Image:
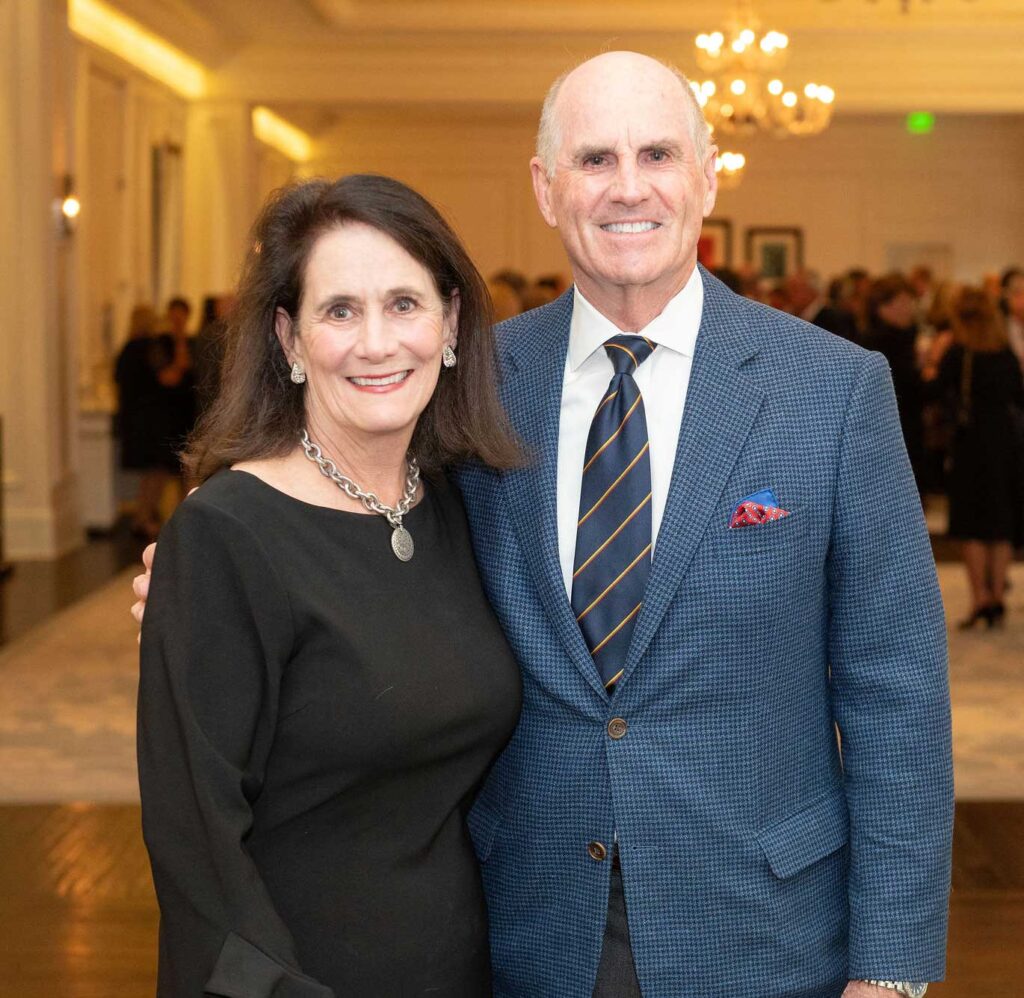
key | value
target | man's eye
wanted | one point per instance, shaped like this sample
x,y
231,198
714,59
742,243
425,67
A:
x,y
596,160
658,155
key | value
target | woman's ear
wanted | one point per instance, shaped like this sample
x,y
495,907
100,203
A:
x,y
451,319
284,329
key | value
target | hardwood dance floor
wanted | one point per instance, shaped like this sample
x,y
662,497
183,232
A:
x,y
78,919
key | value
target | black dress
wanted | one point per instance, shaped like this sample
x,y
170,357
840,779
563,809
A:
x,y
153,420
315,717
898,347
986,479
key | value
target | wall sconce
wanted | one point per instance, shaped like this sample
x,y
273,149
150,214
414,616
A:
x,y
68,207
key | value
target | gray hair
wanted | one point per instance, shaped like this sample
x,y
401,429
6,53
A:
x,y
549,136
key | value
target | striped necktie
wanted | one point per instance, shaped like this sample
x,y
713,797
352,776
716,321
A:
x,y
613,535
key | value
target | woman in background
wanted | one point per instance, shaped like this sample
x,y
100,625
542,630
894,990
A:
x,y
980,375
141,418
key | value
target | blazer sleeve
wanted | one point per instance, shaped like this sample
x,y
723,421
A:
x,y
888,660
216,634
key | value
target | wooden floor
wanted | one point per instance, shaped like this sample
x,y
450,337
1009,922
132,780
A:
x,y
35,590
78,919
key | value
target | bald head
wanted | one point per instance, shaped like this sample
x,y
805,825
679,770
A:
x,y
604,78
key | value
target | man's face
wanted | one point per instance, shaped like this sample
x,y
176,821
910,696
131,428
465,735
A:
x,y
628,194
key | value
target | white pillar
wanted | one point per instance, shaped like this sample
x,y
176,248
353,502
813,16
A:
x,y
220,195
37,358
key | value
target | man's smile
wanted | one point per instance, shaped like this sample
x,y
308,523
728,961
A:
x,y
630,227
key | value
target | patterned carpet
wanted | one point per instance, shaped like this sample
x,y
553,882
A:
x,y
67,727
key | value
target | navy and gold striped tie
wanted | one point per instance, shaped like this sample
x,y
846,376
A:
x,y
613,535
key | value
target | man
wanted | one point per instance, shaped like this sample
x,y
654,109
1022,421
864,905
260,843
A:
x,y
672,817
755,860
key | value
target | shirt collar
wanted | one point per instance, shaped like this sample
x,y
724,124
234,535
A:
x,y
674,329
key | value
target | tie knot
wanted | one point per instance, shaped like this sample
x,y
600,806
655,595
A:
x,y
628,352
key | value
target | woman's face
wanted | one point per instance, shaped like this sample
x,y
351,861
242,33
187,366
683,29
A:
x,y
370,332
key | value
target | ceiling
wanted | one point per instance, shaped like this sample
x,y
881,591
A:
x,y
317,57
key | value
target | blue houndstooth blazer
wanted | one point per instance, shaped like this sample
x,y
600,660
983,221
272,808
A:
x,y
759,859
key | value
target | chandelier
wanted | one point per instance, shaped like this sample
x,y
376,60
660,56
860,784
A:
x,y
729,167
744,93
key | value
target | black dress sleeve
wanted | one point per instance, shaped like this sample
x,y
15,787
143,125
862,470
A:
x,y
216,634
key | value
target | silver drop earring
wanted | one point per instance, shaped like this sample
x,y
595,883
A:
x,y
298,373
448,357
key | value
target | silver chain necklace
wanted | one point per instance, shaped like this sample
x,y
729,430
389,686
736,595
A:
x,y
401,539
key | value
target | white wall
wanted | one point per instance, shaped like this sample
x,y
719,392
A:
x,y
861,186
474,167
866,183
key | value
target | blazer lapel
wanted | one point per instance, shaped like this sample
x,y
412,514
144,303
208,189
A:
x,y
533,393
721,406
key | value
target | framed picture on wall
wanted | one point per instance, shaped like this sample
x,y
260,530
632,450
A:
x,y
714,248
775,251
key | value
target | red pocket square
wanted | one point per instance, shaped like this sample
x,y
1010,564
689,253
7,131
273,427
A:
x,y
750,514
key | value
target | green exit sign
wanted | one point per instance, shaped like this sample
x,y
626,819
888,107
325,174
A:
x,y
920,122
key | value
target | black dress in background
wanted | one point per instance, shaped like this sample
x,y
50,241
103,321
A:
x,y
153,420
315,718
899,348
986,481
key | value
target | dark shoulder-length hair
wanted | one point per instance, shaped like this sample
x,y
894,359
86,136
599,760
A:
x,y
977,322
259,412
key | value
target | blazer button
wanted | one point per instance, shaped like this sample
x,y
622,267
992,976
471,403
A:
x,y
597,852
617,728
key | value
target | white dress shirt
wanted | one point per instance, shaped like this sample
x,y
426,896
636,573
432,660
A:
x,y
662,379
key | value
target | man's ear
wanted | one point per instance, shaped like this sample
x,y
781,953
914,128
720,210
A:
x,y
542,190
451,319
284,329
711,178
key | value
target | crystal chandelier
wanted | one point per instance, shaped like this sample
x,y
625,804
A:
x,y
744,93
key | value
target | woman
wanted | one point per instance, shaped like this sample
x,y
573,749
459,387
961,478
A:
x,y
982,378
154,389
323,682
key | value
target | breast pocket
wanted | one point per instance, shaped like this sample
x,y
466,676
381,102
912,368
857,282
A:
x,y
768,536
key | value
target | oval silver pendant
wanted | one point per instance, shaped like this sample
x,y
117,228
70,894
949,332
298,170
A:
x,y
401,544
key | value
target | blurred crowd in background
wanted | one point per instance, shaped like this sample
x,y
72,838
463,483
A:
x,y
956,352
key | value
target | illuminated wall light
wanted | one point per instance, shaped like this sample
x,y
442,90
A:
x,y
789,98
826,95
811,90
920,122
281,135
747,36
775,87
738,87
128,40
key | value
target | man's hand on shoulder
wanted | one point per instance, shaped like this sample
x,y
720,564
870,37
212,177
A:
x,y
861,989
140,584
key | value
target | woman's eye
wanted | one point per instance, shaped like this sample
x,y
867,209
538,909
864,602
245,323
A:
x,y
404,305
340,312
